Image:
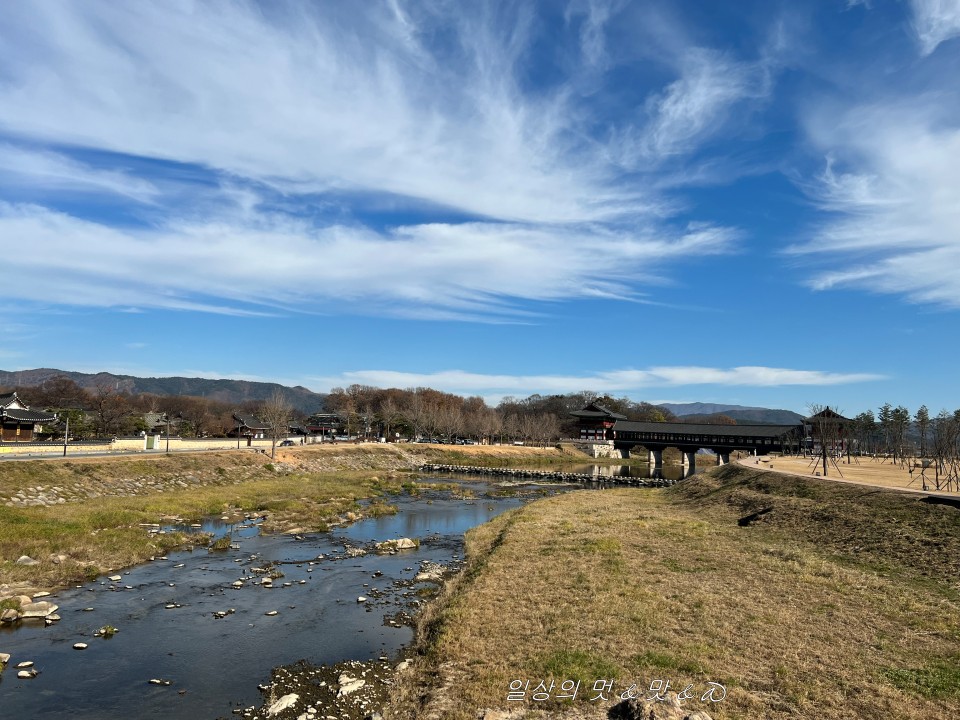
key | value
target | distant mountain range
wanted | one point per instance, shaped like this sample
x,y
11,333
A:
x,y
743,414
233,392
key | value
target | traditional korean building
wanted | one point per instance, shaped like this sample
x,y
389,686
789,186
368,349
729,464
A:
x,y
19,423
596,422
324,424
249,427
828,430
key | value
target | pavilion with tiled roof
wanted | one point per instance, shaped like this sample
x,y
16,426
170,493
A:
x,y
596,421
18,422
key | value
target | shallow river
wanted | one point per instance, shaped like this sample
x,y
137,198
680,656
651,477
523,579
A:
x,y
215,664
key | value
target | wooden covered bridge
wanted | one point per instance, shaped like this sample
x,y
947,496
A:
x,y
598,424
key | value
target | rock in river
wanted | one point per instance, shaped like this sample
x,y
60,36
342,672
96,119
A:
x,y
349,684
287,701
38,609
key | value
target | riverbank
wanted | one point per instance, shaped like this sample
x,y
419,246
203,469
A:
x,y
71,520
800,597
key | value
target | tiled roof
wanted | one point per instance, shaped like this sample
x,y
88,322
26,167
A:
x,y
33,416
250,422
598,411
9,399
705,429
827,415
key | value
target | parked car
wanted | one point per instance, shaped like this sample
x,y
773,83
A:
x,y
286,443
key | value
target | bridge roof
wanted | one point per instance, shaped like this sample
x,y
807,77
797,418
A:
x,y
705,429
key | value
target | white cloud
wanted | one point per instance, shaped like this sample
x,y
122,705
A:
x,y
695,106
309,100
895,204
57,172
596,15
268,262
428,106
613,381
935,22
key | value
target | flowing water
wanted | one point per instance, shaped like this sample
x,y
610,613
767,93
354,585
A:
x,y
213,661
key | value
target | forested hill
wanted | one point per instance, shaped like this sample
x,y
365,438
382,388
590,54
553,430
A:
x,y
743,414
234,392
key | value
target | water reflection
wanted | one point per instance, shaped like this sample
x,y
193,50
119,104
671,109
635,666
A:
x,y
670,472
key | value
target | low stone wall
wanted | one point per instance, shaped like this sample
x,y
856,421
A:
x,y
31,449
134,444
178,444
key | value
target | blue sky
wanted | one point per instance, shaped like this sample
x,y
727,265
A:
x,y
750,202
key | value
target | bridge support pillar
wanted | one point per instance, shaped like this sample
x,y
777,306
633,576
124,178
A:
x,y
723,458
655,458
689,460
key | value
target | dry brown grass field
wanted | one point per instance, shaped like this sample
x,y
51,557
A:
x,y
837,601
866,470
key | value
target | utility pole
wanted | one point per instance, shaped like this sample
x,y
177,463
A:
x,y
66,434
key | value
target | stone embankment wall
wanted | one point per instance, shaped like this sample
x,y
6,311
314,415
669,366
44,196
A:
x,y
91,487
606,450
601,450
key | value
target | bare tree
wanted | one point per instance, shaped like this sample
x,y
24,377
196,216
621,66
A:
x,y
828,428
111,410
275,414
490,424
450,420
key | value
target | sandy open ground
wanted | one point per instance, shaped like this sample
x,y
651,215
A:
x,y
867,471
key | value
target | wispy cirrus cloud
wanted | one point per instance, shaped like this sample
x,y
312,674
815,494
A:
x,y
56,172
269,262
891,187
310,99
935,22
695,107
410,104
612,381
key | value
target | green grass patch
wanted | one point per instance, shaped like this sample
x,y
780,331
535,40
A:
x,y
578,665
938,680
221,543
380,509
658,660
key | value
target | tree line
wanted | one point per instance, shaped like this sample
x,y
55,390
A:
x,y
894,432
424,412
104,411
364,411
